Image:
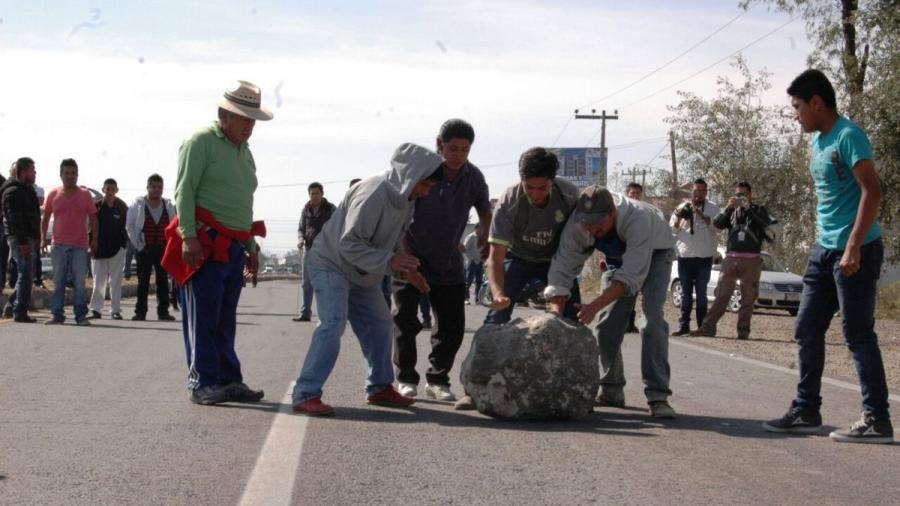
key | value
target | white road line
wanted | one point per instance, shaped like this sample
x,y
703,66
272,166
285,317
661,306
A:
x,y
766,365
272,481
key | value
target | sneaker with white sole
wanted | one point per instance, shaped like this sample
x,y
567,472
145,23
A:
x,y
797,420
866,430
439,392
407,389
465,403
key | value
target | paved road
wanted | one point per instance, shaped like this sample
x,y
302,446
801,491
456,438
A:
x,y
100,415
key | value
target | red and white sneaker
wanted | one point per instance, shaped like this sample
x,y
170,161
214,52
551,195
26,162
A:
x,y
313,407
390,398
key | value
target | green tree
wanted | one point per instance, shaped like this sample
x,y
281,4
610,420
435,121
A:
x,y
735,137
857,43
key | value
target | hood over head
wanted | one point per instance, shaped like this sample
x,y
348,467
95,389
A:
x,y
410,164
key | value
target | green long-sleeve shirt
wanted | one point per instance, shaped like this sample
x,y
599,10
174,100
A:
x,y
216,175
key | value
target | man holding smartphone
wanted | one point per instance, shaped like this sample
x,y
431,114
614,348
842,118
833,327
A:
x,y
746,223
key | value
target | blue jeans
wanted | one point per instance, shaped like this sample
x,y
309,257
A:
x,y
22,296
306,289
364,307
825,290
519,274
693,274
68,259
654,336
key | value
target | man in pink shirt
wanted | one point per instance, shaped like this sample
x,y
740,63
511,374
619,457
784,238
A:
x,y
72,209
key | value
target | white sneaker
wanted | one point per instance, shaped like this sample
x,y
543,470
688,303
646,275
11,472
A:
x,y
439,392
408,389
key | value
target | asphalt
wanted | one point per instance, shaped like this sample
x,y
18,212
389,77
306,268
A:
x,y
101,415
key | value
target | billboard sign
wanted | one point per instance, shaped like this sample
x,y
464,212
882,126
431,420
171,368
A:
x,y
581,166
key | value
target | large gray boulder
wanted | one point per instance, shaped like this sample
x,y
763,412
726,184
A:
x,y
540,367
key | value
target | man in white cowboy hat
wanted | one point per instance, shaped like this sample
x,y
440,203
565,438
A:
x,y
214,199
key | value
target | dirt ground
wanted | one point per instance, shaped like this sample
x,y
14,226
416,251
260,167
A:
x,y
772,340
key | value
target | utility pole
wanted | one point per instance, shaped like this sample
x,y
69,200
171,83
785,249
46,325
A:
x,y
602,117
674,167
634,172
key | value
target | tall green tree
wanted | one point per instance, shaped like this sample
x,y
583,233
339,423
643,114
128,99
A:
x,y
735,137
857,43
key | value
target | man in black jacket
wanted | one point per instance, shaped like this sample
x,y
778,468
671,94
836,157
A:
x,y
746,223
315,213
22,231
109,259
4,248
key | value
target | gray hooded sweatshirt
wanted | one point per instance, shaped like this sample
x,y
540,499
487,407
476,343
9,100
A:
x,y
365,230
639,225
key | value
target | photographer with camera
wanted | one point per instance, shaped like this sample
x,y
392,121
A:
x,y
695,242
746,223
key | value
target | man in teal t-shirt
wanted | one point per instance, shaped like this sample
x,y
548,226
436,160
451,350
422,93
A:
x,y
843,267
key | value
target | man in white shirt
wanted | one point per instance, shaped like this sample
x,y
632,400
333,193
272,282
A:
x,y
695,242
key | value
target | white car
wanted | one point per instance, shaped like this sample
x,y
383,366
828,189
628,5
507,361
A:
x,y
778,287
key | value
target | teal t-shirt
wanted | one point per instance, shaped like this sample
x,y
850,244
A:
x,y
834,156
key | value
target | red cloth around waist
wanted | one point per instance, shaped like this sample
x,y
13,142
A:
x,y
213,249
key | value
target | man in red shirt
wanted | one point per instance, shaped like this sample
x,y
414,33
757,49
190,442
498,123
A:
x,y
72,209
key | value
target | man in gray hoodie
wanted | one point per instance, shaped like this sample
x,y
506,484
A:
x,y
639,250
356,248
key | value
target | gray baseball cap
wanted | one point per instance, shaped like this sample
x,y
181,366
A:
x,y
594,204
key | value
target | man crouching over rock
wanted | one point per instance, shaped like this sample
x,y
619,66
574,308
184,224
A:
x,y
639,249
357,247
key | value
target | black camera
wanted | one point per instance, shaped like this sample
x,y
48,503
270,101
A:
x,y
686,212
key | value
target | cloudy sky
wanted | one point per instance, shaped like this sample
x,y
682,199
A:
x,y
118,85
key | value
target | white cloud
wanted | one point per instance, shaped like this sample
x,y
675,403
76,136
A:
x,y
353,90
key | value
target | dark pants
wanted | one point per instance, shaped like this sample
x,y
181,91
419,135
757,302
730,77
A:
x,y
148,261
20,298
474,274
4,261
518,274
693,274
425,309
825,290
209,320
38,269
129,258
447,301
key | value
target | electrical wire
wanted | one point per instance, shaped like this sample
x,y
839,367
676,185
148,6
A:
x,y
673,60
704,69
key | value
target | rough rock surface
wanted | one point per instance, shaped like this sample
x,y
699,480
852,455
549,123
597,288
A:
x,y
540,367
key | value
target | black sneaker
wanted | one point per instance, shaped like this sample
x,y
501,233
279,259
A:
x,y
866,430
166,318
300,319
24,319
681,332
240,392
7,311
138,317
209,395
56,320
797,420
95,315
117,316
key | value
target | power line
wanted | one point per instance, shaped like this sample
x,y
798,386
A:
x,y
666,144
673,60
704,69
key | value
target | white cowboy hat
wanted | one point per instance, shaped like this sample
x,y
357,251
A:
x,y
245,99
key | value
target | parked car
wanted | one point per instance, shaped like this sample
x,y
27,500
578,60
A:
x,y
778,287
